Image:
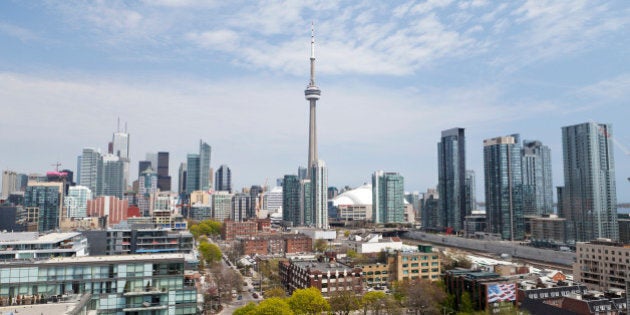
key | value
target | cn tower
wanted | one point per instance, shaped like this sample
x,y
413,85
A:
x,y
312,94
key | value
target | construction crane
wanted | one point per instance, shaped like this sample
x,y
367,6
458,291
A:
x,y
56,165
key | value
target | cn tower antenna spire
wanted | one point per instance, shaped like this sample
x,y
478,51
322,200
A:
x,y
312,94
312,82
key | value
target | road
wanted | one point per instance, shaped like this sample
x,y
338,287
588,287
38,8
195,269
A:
x,y
247,297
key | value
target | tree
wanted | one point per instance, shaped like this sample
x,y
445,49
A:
x,y
273,306
466,305
351,253
226,279
373,301
275,292
308,301
245,310
422,296
210,252
321,245
344,302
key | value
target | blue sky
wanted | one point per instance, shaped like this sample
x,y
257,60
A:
x,y
392,74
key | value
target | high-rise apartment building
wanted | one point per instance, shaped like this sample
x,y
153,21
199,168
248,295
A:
x,y
91,171
452,179
221,205
307,216
388,191
76,201
181,188
120,148
291,200
147,187
319,185
240,205
589,182
223,179
302,172
470,192
429,208
46,199
9,183
164,179
113,179
537,185
205,177
192,173
504,187
255,192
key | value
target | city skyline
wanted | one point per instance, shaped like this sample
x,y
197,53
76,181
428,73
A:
x,y
391,86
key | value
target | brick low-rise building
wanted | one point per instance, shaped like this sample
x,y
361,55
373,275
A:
x,y
602,264
230,229
275,244
327,277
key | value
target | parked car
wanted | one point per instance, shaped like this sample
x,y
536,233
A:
x,y
255,295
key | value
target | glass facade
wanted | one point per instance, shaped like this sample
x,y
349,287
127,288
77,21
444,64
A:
x,y
589,193
291,199
117,286
48,200
192,173
204,165
452,179
537,185
388,192
504,187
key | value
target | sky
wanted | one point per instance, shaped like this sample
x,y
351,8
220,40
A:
x,y
393,75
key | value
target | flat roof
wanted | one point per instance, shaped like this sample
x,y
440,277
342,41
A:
x,y
322,266
92,259
14,238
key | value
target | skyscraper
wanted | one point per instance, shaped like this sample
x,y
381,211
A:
x,y
240,205
504,187
164,180
76,201
255,192
9,183
204,166
452,179
47,199
91,171
319,185
388,191
223,179
537,185
307,216
291,200
589,182
471,192
192,173
113,176
182,178
120,148
302,172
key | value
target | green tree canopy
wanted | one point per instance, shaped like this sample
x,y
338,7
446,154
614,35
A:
x,y
372,301
272,306
308,301
210,252
321,245
245,310
275,292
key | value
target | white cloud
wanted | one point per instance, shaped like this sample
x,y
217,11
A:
x,y
23,34
223,40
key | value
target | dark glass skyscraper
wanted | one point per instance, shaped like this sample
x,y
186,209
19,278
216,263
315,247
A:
x,y
48,199
537,185
291,200
589,192
204,165
470,192
452,179
164,180
223,179
192,173
504,187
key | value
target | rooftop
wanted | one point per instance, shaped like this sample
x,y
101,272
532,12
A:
x,y
92,259
34,237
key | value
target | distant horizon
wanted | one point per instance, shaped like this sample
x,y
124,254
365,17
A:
x,y
393,76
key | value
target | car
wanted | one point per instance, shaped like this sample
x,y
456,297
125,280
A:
x,y
255,295
240,297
